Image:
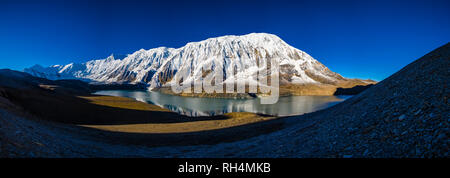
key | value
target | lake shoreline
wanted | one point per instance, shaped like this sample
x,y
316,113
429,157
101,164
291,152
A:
x,y
205,106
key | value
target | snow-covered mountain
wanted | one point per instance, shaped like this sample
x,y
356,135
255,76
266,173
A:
x,y
236,56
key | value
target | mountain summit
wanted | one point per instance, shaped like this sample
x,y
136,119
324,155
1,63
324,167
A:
x,y
157,67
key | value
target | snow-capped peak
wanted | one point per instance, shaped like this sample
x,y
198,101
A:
x,y
158,66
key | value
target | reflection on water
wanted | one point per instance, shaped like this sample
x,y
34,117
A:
x,y
194,106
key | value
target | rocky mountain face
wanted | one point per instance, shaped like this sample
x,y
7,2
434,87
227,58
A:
x,y
237,58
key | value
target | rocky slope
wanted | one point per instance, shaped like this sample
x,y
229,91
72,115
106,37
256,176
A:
x,y
237,58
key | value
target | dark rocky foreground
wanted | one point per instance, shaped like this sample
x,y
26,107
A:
x,y
405,115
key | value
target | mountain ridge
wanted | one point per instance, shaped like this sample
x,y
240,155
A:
x,y
239,58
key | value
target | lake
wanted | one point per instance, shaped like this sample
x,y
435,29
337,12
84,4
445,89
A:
x,y
196,106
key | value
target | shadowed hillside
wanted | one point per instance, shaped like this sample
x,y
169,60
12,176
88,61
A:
x,y
33,109
352,91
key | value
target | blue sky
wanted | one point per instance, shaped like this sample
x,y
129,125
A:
x,y
358,39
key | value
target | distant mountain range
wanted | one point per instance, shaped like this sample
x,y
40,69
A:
x,y
300,74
